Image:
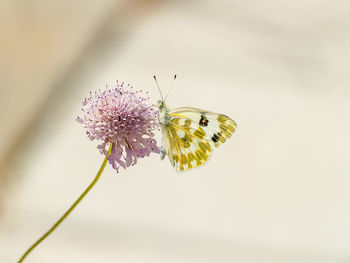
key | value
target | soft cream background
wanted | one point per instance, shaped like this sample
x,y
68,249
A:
x,y
278,191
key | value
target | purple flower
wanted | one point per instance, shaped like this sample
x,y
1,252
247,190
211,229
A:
x,y
121,116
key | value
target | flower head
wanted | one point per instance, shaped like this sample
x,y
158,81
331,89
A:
x,y
123,117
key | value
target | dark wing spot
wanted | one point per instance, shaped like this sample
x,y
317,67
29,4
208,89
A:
x,y
203,121
215,138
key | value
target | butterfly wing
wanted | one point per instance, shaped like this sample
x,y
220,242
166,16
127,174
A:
x,y
190,135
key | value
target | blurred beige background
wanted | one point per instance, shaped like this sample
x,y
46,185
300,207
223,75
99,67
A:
x,y
278,191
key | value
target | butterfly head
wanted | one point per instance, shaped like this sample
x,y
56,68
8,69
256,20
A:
x,y
161,105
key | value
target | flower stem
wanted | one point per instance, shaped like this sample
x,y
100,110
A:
x,y
65,215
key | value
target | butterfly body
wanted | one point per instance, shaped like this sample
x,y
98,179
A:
x,y
190,135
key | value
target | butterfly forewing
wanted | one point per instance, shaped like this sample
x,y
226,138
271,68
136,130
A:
x,y
217,127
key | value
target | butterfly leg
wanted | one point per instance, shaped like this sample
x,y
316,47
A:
x,y
162,153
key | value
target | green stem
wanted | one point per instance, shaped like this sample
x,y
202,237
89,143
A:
x,y
71,208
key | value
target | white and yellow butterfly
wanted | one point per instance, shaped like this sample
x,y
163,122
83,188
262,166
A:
x,y
190,135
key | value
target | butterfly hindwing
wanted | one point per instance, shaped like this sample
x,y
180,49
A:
x,y
190,135
184,144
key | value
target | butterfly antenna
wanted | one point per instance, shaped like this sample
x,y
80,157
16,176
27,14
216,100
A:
x,y
171,87
160,92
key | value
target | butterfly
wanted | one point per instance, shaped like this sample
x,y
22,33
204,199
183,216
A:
x,y
190,135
